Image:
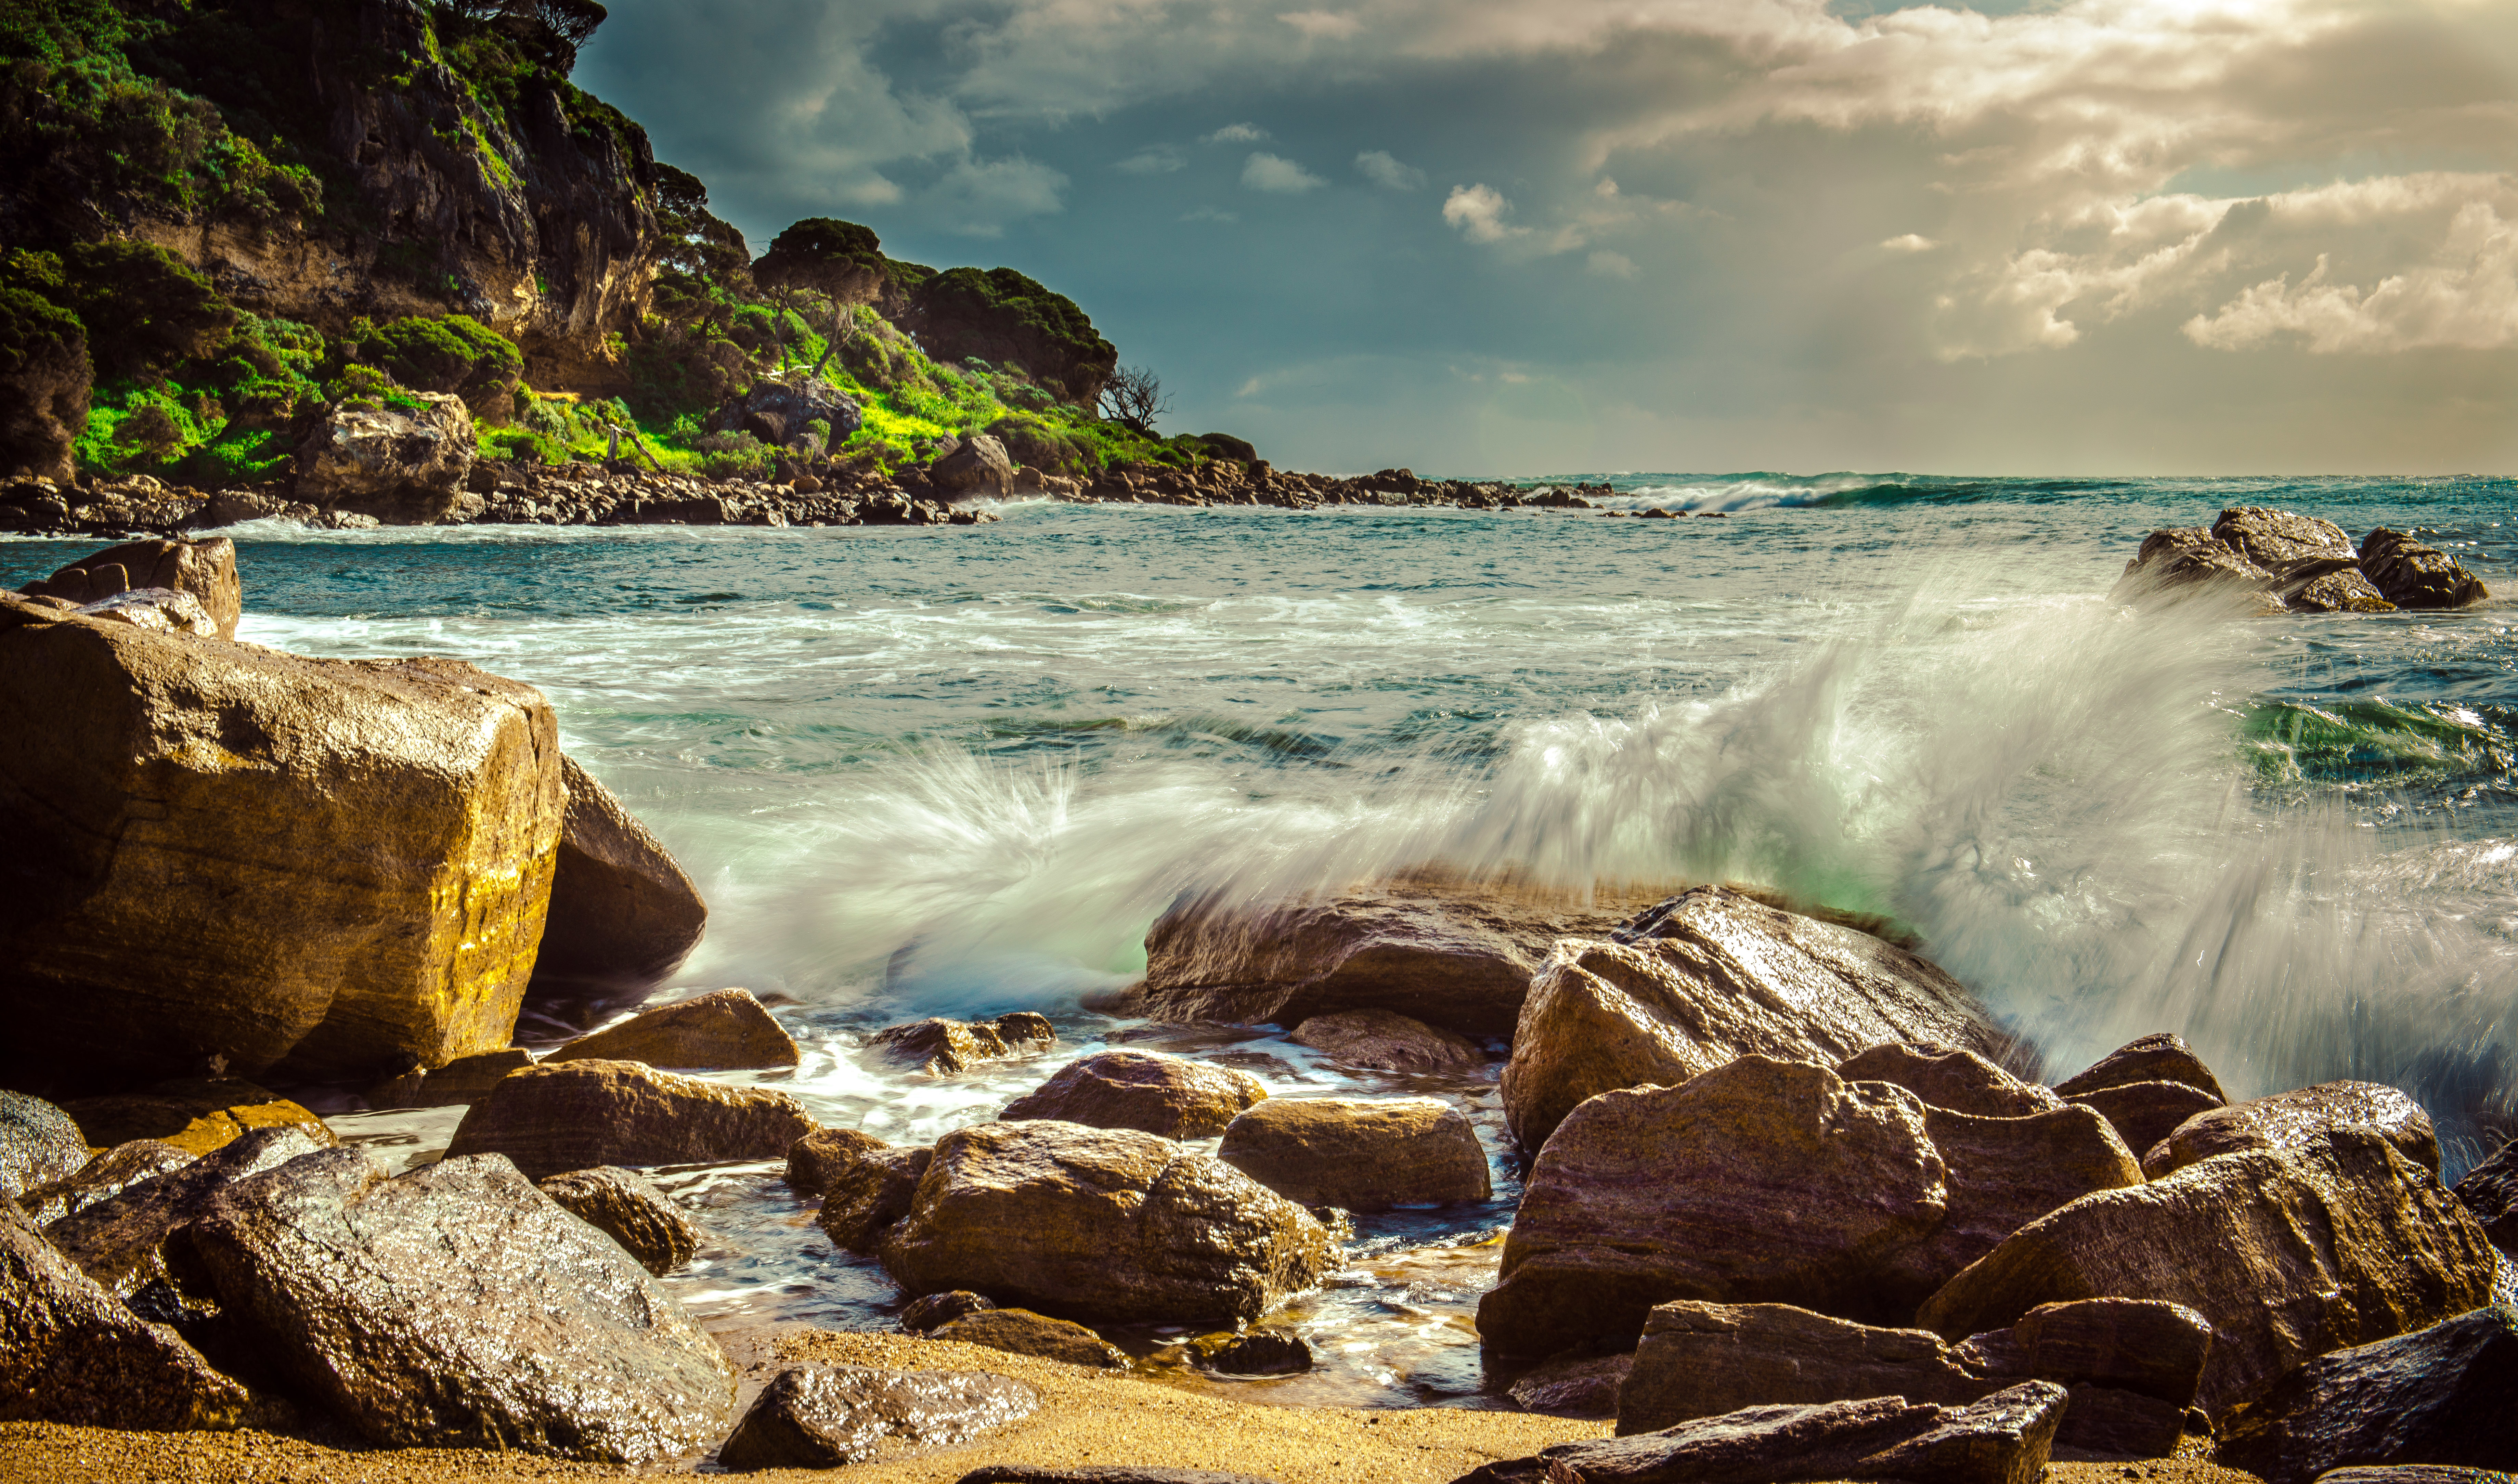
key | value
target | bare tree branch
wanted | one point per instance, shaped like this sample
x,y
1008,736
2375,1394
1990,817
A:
x,y
1134,398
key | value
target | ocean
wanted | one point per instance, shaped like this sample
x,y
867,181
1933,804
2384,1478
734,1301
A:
x,y
959,772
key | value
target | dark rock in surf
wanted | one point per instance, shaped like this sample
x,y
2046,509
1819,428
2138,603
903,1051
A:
x,y
39,1145
940,1047
2489,1191
2346,591
2443,1395
1951,1077
625,1206
2290,1119
818,1157
1021,1331
624,914
1169,1096
2145,1113
721,1030
2411,575
823,1416
1359,1154
2193,563
1389,1042
925,1314
569,1116
1260,1352
2295,549
109,1174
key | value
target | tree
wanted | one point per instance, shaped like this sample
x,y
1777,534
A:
x,y
1134,398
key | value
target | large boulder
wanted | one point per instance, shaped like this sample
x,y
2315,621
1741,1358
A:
x,y
1720,975
1388,1041
1147,1090
721,1030
206,567
2447,1394
120,1242
1951,1077
625,1206
1359,1154
223,850
101,1178
2295,548
2489,1191
39,1145
815,1161
457,1306
2145,1088
2003,1173
623,912
2290,1119
822,1417
2145,1113
2190,563
781,414
2288,1253
569,1116
870,1193
940,1047
403,465
979,465
1110,1225
2413,575
195,1114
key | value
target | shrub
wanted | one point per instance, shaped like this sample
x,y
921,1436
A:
x,y
454,354
359,386
145,309
1001,315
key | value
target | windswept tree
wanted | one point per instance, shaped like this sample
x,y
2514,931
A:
x,y
1134,398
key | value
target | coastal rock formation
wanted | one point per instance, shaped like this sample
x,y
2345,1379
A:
x,y
1951,1077
1389,1042
2295,548
557,1117
1166,1095
1359,1154
195,1114
161,610
721,1030
101,1178
979,466
2146,1111
1021,1331
2413,575
872,1191
2489,1191
2443,1395
2145,1088
2004,1174
623,1206
1001,315
403,467
39,1145
255,855
815,1161
457,1306
623,912
2345,592
464,1080
825,1415
2291,1119
1258,1352
2288,1253
206,567
940,1047
1107,1224
120,1242
1716,975
2193,563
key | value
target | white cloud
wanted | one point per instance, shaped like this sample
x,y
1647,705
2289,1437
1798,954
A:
x,y
978,198
1269,172
1235,133
1210,215
2466,298
1912,242
1479,211
1611,265
1383,169
1152,160
1322,25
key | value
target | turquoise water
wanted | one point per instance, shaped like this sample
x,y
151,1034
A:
x,y
1006,748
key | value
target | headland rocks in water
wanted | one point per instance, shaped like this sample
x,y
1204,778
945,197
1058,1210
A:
x,y
2260,561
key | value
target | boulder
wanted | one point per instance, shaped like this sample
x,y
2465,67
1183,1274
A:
x,y
980,465
1761,1181
195,1114
866,1198
255,855
779,413
120,1242
924,1313
2295,549
940,1047
1388,1041
2489,1191
402,467
457,1306
39,1145
2161,1057
206,567
721,1030
2346,591
1147,1090
2411,575
72,1352
2289,1119
160,610
623,912
2443,1395
1260,1352
1359,1154
2148,1346
625,1206
2287,1253
2003,1173
1951,1077
815,1159
1720,975
1021,1331
462,1082
109,1174
2188,563
1573,1384
822,1417
2145,1113
1108,1224
570,1115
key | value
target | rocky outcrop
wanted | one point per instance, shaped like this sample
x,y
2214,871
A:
x,y
2182,565
940,1047
624,914
1719,975
781,412
1166,1095
195,1114
120,1242
2443,1395
557,1117
2295,548
867,1195
979,466
161,610
2288,1253
227,851
206,567
405,467
823,1416
1388,1041
1951,1077
2146,1111
1104,1224
1359,1154
464,1080
2002,1174
39,1145
2292,1119
721,1030
2489,1191
623,1206
1021,1331
101,1178
2411,575
2346,591
1000,314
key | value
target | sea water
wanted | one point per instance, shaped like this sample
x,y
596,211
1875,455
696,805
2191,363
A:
x,y
960,771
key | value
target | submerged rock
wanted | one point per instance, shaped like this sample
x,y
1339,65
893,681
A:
x,y
1389,1042
1260,1352
1169,1096
1951,1077
2194,563
39,1145
721,1030
625,1206
624,914
1359,1154
2443,1395
2291,1119
822,1417
572,1115
2411,575
195,1114
1021,1331
205,569
941,1047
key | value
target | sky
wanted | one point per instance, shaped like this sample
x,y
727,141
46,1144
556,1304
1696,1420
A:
x,y
1527,237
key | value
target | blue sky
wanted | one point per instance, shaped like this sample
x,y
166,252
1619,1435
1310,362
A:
x,y
1492,237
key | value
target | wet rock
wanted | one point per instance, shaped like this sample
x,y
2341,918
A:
x,y
1760,1182
2340,592
722,1030
2489,1191
120,1242
813,1160
109,1174
570,1115
2155,1348
2161,1057
2289,1119
1359,1154
457,1306
1721,976
870,1194
2411,575
2287,1253
1111,1224
2443,1395
1021,1331
160,610
2188,563
1574,1384
825,1415
941,1047
1388,1041
980,465
206,567
39,1145
195,1114
1261,1352
2003,1439
1951,1077
925,1314
1101,1474
259,857
2003,1173
622,911
2295,549
403,469
72,1352
627,1207
1169,1096
2146,1111
1699,1360
462,1082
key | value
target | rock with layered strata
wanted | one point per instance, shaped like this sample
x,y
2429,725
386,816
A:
x,y
940,1047
1720,975
2442,1395
1108,1224
2003,1173
1949,1076
120,1242
1169,1096
569,1116
2289,1119
2411,575
721,1030
2489,1191
626,1206
822,1417
195,1114
623,913
1388,1041
1021,1331
205,569
1359,1154
39,1145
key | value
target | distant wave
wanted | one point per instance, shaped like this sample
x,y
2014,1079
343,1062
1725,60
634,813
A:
x,y
1765,491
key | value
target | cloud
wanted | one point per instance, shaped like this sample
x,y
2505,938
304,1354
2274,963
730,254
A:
x,y
1152,160
1479,211
1319,25
2465,298
1611,265
1235,133
1912,242
1210,215
1383,169
978,198
1268,172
